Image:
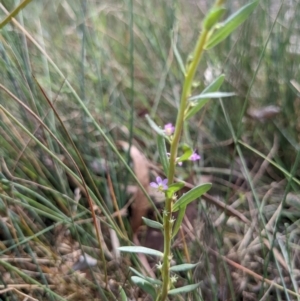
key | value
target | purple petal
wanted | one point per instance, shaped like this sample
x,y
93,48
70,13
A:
x,y
164,184
168,126
195,156
158,180
153,184
169,129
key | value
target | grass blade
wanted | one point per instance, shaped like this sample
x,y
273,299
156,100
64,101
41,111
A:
x,y
230,25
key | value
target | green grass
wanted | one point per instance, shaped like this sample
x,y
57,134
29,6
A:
x,y
104,66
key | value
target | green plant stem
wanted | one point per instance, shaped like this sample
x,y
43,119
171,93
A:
x,y
167,216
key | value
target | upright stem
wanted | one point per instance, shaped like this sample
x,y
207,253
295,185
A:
x,y
167,216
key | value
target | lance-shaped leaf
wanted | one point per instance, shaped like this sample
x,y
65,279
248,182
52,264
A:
x,y
213,17
151,280
162,150
234,21
152,224
186,155
138,249
213,87
210,95
155,127
122,294
183,289
179,220
192,195
183,267
144,285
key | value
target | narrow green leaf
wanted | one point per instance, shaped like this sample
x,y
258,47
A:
x,y
152,224
192,195
144,285
186,155
213,87
155,127
174,188
179,219
183,289
212,95
194,109
231,24
122,294
213,17
151,280
183,267
138,249
162,150
185,147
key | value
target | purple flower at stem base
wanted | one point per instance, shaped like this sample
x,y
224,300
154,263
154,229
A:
x,y
160,184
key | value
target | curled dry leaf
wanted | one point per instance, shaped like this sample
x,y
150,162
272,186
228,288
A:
x,y
264,113
141,169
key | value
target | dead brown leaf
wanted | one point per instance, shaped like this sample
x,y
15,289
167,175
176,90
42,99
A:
x,y
140,206
264,113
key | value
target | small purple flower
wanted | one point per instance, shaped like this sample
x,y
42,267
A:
x,y
160,184
169,129
194,157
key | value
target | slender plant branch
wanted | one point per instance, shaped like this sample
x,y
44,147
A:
x,y
167,216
